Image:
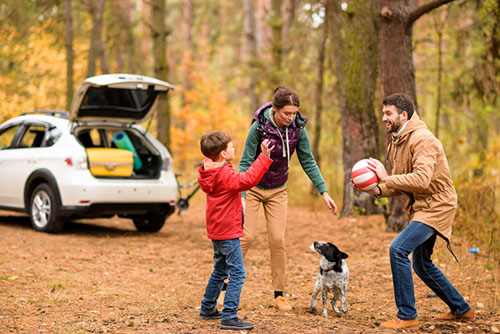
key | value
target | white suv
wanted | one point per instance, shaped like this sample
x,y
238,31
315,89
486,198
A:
x,y
57,165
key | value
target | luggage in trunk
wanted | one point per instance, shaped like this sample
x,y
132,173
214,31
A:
x,y
110,162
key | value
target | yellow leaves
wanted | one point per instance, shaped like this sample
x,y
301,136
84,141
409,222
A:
x,y
37,71
206,108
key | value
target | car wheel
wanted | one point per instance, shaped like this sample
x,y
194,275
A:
x,y
151,222
44,210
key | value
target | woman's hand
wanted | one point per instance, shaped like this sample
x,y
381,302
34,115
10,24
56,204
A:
x,y
264,147
378,168
330,203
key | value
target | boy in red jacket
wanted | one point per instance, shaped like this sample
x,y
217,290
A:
x,y
224,218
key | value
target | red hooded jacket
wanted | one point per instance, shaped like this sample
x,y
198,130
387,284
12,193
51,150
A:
x,y
223,186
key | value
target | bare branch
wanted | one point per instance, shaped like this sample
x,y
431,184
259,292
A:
x,y
424,9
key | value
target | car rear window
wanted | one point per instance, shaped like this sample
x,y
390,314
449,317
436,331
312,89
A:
x,y
132,103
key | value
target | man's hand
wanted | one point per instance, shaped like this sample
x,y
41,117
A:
x,y
373,191
264,147
378,168
330,203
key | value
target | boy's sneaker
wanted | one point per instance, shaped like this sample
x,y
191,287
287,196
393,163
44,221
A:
x,y
236,324
209,316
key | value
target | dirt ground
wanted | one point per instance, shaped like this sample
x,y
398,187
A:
x,y
101,276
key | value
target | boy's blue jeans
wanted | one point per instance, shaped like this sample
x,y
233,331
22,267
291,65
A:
x,y
228,261
419,239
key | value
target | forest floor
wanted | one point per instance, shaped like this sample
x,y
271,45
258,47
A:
x,y
101,276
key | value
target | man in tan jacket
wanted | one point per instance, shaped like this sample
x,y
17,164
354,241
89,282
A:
x,y
419,171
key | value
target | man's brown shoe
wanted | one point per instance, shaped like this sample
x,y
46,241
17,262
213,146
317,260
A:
x,y
281,304
400,324
468,316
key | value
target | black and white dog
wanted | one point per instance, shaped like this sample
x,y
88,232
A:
x,y
332,277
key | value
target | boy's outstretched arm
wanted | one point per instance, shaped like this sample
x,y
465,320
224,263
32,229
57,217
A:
x,y
250,178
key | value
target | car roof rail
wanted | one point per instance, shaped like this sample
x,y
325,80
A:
x,y
55,113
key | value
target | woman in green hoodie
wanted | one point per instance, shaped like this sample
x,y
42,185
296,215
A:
x,y
281,123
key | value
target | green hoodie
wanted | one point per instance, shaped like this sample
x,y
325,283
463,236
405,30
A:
x,y
304,154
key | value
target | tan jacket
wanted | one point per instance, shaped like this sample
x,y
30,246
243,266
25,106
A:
x,y
420,171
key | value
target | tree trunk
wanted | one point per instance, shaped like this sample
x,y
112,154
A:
x,y
355,41
439,31
68,43
277,50
125,48
318,96
397,73
263,32
290,6
187,26
97,50
251,52
159,33
91,67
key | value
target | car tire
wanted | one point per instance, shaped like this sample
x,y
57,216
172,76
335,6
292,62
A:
x,y
44,210
151,222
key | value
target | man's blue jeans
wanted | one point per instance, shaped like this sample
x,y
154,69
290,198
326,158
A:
x,y
419,239
228,261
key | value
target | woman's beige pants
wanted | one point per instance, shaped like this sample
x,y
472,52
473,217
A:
x,y
274,202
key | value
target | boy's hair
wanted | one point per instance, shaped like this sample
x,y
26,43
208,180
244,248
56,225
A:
x,y
214,142
401,101
285,96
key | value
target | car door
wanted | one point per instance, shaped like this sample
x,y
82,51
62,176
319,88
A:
x,y
19,161
8,136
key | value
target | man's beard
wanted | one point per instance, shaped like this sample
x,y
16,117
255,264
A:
x,y
395,126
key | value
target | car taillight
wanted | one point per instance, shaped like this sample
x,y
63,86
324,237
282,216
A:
x,y
80,163
167,164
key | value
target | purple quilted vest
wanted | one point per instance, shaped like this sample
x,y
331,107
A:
x,y
277,173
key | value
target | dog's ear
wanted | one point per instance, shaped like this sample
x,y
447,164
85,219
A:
x,y
343,255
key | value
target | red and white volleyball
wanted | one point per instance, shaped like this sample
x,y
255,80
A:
x,y
362,177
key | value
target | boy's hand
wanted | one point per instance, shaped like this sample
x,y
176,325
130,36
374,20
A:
x,y
264,147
